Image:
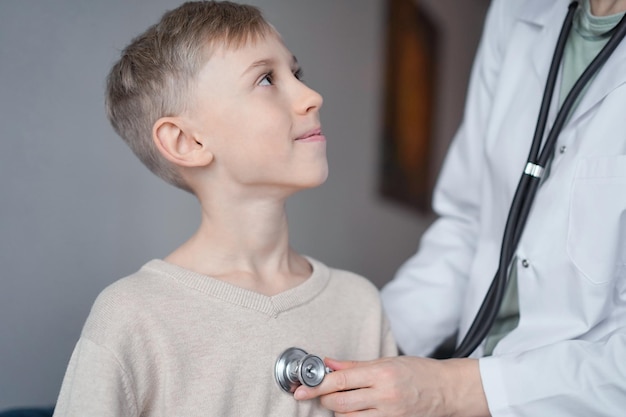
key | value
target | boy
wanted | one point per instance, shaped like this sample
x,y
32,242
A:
x,y
211,100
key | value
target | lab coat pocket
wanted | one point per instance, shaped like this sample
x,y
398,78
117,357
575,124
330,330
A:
x,y
597,218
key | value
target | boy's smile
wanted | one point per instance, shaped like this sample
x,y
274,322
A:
x,y
313,136
261,121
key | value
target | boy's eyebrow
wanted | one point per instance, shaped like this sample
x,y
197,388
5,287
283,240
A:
x,y
269,62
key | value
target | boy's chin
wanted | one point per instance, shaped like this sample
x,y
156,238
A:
x,y
320,180
313,183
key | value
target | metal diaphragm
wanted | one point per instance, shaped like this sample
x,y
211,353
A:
x,y
295,367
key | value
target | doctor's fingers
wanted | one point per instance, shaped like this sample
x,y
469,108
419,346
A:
x,y
346,376
340,365
363,402
355,403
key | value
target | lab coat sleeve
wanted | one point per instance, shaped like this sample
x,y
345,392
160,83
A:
x,y
569,379
425,298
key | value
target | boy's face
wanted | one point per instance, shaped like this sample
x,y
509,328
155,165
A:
x,y
262,122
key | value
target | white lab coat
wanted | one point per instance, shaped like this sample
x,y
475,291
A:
x,y
567,357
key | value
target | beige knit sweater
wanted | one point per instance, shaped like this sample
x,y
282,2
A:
x,y
168,342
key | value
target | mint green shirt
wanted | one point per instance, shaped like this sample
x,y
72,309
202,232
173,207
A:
x,y
589,35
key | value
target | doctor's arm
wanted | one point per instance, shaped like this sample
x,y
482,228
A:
x,y
573,378
401,387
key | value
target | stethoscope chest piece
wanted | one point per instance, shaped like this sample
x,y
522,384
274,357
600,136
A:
x,y
295,367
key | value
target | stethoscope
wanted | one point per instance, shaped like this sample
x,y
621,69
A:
x,y
532,175
295,367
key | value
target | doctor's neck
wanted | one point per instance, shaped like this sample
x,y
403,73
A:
x,y
607,7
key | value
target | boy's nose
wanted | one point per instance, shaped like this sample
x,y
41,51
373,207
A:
x,y
309,100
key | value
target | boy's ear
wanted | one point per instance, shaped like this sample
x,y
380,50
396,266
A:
x,y
180,145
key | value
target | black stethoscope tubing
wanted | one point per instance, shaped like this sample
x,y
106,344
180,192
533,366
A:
x,y
531,178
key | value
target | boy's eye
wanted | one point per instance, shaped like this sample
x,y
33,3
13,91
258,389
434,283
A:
x,y
267,79
298,74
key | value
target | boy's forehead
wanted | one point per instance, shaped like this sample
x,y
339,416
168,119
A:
x,y
267,48
235,39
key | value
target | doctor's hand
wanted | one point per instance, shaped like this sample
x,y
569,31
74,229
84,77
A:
x,y
401,386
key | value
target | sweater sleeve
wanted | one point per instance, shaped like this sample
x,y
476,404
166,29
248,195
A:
x,y
95,385
388,346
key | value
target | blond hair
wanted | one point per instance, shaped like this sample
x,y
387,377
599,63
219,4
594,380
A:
x,y
152,79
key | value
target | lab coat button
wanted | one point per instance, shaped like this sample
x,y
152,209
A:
x,y
562,149
525,263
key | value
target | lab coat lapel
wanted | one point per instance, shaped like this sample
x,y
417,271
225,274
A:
x,y
543,14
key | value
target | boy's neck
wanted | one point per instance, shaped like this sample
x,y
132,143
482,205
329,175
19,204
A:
x,y
245,244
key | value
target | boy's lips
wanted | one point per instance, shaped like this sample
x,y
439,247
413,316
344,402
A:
x,y
314,135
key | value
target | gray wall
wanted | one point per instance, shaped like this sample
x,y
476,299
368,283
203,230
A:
x,y
77,211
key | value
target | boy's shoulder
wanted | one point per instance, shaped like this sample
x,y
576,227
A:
x,y
126,300
148,279
349,299
346,281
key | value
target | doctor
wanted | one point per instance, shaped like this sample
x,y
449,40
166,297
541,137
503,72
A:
x,y
558,345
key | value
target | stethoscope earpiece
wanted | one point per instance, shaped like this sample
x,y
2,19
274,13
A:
x,y
295,367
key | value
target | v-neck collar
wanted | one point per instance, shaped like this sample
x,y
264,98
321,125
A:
x,y
270,305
